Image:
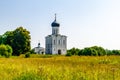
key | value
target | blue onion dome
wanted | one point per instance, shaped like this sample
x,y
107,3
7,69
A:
x,y
38,43
55,23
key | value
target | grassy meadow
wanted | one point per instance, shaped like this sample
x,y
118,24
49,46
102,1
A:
x,y
40,67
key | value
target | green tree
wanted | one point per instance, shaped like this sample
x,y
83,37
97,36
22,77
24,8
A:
x,y
80,53
89,51
116,52
77,51
0,39
93,51
101,51
69,53
73,51
8,37
109,52
21,41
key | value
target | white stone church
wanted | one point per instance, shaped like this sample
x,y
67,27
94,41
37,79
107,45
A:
x,y
39,49
55,43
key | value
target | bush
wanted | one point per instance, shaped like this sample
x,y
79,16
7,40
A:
x,y
27,55
68,54
73,51
86,51
5,50
80,52
109,52
32,51
10,51
92,51
116,52
89,52
101,51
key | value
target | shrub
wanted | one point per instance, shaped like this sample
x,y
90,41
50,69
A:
x,y
5,50
109,52
92,51
68,54
32,51
80,52
10,51
87,51
116,52
73,51
27,55
101,51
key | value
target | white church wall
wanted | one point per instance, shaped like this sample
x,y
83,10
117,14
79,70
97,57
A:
x,y
58,44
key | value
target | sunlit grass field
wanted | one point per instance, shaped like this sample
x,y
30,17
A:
x,y
60,68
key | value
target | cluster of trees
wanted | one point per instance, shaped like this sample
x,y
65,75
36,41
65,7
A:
x,y
92,51
18,40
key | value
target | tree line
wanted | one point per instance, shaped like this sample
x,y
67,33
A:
x,y
92,51
15,42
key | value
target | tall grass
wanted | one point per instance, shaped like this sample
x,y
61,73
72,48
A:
x,y
61,68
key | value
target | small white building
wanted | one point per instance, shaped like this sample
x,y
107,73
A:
x,y
39,50
55,43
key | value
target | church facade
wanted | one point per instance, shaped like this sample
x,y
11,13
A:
x,y
55,43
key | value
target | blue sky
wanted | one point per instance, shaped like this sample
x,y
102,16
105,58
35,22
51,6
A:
x,y
85,22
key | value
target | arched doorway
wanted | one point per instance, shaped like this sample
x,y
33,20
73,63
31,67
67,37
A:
x,y
59,52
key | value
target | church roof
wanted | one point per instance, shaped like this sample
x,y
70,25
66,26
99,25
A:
x,y
55,23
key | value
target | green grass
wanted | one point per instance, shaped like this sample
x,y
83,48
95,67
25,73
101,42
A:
x,y
47,67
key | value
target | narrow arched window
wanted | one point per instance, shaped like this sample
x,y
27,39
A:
x,y
54,31
63,41
54,42
59,42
